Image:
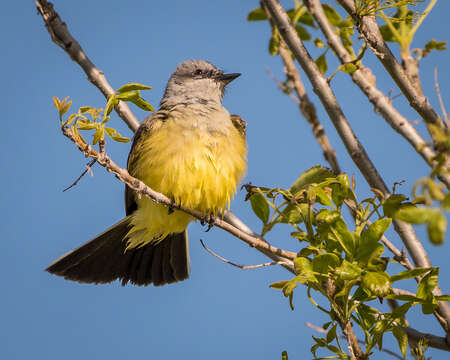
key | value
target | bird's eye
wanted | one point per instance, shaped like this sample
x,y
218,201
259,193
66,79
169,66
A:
x,y
198,72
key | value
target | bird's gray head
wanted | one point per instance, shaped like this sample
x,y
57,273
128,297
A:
x,y
196,81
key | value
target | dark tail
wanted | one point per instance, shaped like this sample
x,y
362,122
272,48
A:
x,y
104,259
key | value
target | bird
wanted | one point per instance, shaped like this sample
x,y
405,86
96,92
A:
x,y
193,151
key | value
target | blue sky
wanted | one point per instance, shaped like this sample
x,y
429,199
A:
x,y
221,311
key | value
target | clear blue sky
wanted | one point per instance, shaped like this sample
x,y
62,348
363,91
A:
x,y
221,312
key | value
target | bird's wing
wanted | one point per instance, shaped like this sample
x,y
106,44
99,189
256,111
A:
x,y
147,126
239,124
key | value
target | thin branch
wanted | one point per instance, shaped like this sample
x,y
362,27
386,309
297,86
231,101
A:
x,y
88,170
243,267
352,144
323,331
438,93
141,189
363,78
368,28
61,36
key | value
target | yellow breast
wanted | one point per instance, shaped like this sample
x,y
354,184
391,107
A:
x,y
196,167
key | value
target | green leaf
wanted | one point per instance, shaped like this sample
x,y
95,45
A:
x,y
392,204
414,214
446,203
328,216
284,355
128,96
293,214
316,174
112,101
377,282
322,64
307,19
343,236
303,269
257,14
427,284
279,284
434,45
348,271
370,237
436,228
387,34
141,103
99,135
333,17
84,109
325,263
303,34
408,274
443,298
319,43
402,339
348,68
132,87
260,206
331,334
274,44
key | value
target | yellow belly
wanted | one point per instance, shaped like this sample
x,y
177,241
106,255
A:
x,y
197,169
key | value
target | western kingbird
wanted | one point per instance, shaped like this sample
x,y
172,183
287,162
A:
x,y
193,151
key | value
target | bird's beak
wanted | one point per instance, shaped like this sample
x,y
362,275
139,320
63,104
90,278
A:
x,y
227,78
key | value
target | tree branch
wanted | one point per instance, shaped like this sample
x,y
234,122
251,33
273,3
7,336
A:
x,y
61,36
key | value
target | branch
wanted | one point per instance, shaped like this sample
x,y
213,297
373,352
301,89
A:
x,y
61,36
364,80
243,267
368,28
438,93
352,144
88,170
141,189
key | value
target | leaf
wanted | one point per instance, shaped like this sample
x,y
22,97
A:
x,y
436,228
112,101
331,334
260,206
319,43
132,87
348,68
321,63
99,135
128,96
368,243
325,263
446,203
141,103
56,102
333,17
257,14
387,34
284,355
377,282
307,19
279,284
293,214
409,274
84,109
327,216
427,284
274,43
303,34
402,339
414,214
303,269
392,204
348,271
434,45
343,236
443,298
316,174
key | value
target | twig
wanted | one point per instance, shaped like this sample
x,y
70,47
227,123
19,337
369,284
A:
x,y
88,169
61,36
438,93
243,267
140,188
323,331
363,78
353,146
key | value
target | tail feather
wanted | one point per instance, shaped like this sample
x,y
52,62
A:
x,y
104,259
